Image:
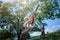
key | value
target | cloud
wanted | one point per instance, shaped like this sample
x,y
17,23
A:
x,y
35,34
52,28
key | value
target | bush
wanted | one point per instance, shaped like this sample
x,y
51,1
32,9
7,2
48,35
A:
x,y
4,34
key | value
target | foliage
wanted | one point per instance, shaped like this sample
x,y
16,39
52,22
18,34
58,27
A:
x,y
4,34
35,29
13,14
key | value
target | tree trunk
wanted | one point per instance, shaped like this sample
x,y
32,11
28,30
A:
x,y
18,36
43,37
19,33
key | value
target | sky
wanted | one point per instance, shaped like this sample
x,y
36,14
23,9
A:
x,y
52,25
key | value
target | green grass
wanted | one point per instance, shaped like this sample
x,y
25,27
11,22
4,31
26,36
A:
x,y
50,36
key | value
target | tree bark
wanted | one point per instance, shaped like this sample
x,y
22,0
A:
x,y
18,36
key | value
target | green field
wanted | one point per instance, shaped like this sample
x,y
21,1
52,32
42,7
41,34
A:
x,y
50,36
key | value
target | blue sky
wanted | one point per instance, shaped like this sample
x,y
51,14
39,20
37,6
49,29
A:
x,y
53,25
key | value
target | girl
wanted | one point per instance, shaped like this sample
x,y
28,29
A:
x,y
29,20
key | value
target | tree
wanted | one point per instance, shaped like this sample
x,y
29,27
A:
x,y
6,20
13,14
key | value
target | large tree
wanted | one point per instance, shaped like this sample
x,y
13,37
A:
x,y
13,14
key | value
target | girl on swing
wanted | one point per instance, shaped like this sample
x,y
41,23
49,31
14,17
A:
x,y
29,21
